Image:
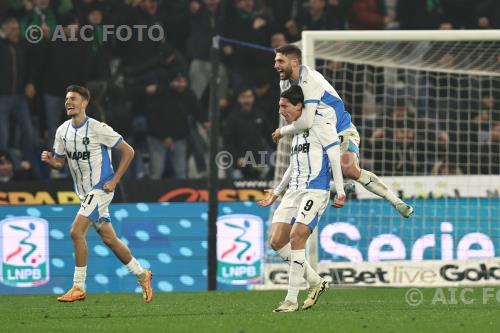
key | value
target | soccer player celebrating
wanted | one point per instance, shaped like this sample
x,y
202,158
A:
x,y
308,181
86,143
324,105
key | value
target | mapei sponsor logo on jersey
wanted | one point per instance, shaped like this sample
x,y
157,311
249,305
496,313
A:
x,y
240,249
24,251
78,155
301,148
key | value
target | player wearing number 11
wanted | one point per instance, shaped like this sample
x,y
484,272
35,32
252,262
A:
x,y
86,144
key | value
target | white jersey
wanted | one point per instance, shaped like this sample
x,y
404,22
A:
x,y
310,167
319,91
87,149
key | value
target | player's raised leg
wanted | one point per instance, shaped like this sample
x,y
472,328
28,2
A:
x,y
370,181
79,229
122,252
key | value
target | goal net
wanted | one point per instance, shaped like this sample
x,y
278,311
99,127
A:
x,y
427,107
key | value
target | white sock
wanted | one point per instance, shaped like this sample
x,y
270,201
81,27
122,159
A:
x,y
309,274
135,268
372,183
297,267
79,277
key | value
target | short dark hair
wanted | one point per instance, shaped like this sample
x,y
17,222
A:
x,y
294,94
8,20
84,92
290,50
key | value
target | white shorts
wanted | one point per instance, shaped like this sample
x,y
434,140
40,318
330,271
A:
x,y
95,206
349,140
304,206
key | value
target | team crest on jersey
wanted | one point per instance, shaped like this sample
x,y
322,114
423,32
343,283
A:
x,y
86,140
306,134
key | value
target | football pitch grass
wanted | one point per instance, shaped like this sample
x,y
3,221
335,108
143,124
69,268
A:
x,y
338,310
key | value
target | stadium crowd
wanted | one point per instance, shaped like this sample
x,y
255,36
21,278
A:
x,y
156,92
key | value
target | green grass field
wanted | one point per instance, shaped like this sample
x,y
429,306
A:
x,y
339,310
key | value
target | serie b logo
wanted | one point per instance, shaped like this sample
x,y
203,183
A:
x,y
240,249
24,251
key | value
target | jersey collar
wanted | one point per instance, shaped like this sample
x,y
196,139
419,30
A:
x,y
297,83
84,122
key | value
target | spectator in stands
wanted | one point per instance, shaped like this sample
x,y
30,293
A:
x,y
282,11
16,86
42,16
8,172
490,152
368,15
402,153
420,14
59,64
247,25
245,130
99,50
488,14
175,14
266,91
15,8
314,17
140,58
461,13
206,21
168,111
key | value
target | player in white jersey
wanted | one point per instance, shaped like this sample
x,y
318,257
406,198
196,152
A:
x,y
308,182
86,144
324,105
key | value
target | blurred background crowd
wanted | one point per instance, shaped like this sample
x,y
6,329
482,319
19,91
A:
x,y
155,93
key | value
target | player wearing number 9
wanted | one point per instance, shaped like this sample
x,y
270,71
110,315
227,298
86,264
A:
x,y
86,144
308,182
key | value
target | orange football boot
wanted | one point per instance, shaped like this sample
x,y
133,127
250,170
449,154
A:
x,y
147,291
74,294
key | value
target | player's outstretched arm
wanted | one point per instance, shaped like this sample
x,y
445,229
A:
x,y
53,161
334,156
273,194
126,156
304,122
269,199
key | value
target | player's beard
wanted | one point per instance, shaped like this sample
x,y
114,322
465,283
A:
x,y
287,73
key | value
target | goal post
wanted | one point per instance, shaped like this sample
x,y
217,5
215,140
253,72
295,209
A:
x,y
427,105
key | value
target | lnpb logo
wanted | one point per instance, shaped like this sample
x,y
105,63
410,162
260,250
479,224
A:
x,y
24,251
240,249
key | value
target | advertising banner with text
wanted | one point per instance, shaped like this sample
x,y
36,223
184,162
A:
x,y
425,273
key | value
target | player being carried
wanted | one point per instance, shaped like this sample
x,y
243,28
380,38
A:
x,y
86,143
308,181
324,105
